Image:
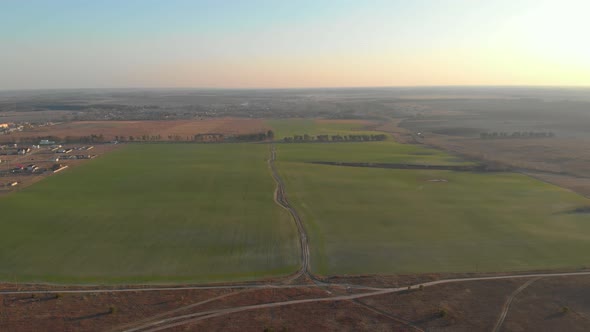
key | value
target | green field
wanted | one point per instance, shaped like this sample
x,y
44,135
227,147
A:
x,y
205,213
151,213
290,127
376,152
364,220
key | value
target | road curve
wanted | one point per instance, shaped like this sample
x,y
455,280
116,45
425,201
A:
x,y
281,199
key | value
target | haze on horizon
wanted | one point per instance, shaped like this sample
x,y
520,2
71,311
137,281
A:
x,y
286,44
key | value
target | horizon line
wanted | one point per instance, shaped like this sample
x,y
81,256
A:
x,y
351,87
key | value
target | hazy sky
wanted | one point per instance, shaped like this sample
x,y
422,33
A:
x,y
285,43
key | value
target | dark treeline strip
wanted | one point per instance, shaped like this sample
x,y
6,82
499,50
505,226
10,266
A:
x,y
460,168
68,139
334,138
200,138
255,137
516,134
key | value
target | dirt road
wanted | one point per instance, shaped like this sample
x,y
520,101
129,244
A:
x,y
281,199
198,316
509,302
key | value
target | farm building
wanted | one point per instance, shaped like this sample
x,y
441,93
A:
x,y
23,151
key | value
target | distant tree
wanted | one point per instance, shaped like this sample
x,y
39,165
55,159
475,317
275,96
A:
x,y
323,138
270,134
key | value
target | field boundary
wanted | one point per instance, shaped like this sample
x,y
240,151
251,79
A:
x,y
458,168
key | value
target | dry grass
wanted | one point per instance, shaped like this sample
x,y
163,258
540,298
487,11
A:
x,y
561,161
468,306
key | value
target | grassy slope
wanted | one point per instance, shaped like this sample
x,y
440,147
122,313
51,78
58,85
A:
x,y
151,213
396,221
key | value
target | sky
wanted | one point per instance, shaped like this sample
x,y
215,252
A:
x,y
291,44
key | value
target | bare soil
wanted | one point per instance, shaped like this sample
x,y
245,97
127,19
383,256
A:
x,y
461,306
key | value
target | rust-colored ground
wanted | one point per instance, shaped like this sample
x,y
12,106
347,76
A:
x,y
111,129
467,306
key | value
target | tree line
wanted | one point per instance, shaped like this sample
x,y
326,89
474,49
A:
x,y
255,137
334,138
516,134
100,138
92,138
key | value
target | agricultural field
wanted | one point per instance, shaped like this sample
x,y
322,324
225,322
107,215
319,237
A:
x,y
151,213
375,152
385,221
165,128
289,127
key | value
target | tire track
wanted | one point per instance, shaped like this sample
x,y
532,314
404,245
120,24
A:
x,y
203,315
281,199
506,306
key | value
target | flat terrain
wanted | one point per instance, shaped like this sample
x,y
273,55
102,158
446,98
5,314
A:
x,y
467,306
164,128
45,159
455,124
151,212
289,127
182,214
374,152
560,160
382,221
